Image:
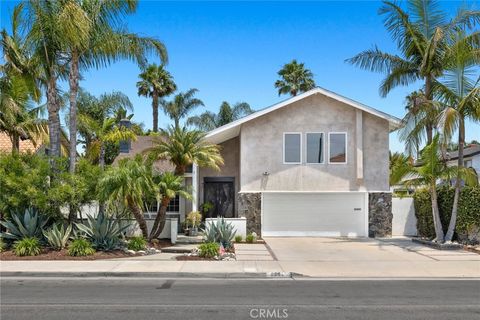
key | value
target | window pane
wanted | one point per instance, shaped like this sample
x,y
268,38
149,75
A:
x,y
337,147
174,205
314,147
292,147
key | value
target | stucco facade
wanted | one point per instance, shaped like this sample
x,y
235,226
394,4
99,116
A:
x,y
261,142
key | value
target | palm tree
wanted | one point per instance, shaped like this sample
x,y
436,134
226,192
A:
x,y
106,41
420,35
168,187
156,83
460,93
208,120
51,25
98,110
184,148
295,79
129,183
181,105
431,169
400,167
414,122
107,131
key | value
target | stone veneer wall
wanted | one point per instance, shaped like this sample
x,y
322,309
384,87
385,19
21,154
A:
x,y
250,206
380,214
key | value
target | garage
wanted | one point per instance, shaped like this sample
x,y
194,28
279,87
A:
x,y
325,214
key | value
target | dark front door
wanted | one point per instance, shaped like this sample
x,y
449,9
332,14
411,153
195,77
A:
x,y
220,192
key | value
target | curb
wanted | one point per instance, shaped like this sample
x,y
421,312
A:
x,y
212,275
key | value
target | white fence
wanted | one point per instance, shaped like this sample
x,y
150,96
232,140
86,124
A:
x,y
239,224
404,221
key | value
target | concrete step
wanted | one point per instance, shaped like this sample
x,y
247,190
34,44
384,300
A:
x,y
183,239
179,248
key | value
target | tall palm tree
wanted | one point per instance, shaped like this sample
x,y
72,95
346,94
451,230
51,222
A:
x,y
106,41
168,187
295,79
400,167
181,105
458,89
208,120
420,34
50,26
184,148
156,83
129,183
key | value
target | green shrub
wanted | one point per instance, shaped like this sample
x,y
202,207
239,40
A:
x,y
27,247
468,216
3,245
57,237
103,232
250,238
220,232
238,238
80,247
208,249
137,243
28,224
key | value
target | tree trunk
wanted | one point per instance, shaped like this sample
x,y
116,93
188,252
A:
x,y
456,198
137,213
73,82
53,117
428,96
101,162
159,223
180,170
101,157
15,139
436,214
155,111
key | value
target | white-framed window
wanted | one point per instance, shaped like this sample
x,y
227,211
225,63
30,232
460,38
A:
x,y
292,148
315,142
337,147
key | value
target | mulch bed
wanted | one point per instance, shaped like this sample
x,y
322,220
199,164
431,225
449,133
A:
x,y
49,254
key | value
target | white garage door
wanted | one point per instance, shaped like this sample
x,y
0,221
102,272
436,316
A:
x,y
314,214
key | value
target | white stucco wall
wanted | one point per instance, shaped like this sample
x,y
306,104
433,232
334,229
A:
x,y
239,224
404,222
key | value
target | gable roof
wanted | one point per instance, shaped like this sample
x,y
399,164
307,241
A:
x,y
232,129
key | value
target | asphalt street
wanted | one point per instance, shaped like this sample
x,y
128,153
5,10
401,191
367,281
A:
x,y
154,298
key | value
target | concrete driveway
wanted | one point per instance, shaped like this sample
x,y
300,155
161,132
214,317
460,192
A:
x,y
327,257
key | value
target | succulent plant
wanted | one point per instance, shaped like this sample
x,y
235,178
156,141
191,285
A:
x,y
220,231
104,232
57,237
24,225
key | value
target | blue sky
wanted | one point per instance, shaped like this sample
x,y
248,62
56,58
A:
x,y
232,51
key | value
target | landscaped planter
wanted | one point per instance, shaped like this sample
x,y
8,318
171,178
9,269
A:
x,y
239,224
439,246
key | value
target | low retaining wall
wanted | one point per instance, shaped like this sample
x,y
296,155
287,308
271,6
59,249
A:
x,y
239,224
404,222
170,231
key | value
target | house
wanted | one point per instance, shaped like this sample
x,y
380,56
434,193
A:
x,y
316,164
25,145
471,158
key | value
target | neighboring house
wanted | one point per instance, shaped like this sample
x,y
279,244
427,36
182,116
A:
x,y
471,158
25,145
316,164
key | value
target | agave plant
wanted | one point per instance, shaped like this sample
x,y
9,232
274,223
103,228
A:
x,y
104,232
57,237
27,225
220,232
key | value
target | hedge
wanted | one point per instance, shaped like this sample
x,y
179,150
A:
x,y
468,216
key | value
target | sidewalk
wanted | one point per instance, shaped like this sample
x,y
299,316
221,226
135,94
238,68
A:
x,y
243,269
